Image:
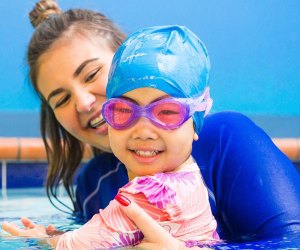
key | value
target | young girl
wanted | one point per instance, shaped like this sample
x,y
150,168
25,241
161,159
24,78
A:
x,y
158,96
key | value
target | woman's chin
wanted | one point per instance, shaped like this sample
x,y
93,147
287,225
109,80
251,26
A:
x,y
102,130
100,139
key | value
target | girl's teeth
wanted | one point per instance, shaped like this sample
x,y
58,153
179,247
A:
x,y
146,153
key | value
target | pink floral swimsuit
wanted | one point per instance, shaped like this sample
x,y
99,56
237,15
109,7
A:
x,y
177,200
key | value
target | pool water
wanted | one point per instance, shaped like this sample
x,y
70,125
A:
x,y
290,242
33,203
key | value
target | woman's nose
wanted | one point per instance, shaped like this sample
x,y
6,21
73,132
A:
x,y
84,101
144,130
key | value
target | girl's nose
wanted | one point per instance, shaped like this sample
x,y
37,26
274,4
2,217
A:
x,y
144,130
84,101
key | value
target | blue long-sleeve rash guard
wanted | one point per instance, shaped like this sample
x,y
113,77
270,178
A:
x,y
254,188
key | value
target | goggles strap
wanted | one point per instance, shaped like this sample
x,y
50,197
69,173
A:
x,y
201,103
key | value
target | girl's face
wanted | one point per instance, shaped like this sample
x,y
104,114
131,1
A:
x,y
72,77
146,149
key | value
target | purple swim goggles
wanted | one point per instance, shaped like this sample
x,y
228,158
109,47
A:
x,y
168,113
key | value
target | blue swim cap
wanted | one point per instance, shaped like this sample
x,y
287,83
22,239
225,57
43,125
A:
x,y
169,58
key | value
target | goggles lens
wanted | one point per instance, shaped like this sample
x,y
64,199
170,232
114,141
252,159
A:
x,y
120,113
169,113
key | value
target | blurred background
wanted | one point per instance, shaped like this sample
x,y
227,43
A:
x,y
254,47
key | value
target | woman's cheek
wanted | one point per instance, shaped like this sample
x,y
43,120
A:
x,y
69,122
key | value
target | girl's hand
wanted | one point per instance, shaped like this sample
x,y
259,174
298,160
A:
x,y
31,230
50,229
155,236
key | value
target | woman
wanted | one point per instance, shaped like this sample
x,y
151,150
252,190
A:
x,y
69,56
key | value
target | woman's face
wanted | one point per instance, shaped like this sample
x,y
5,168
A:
x,y
72,77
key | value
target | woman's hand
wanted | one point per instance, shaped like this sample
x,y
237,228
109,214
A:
x,y
155,236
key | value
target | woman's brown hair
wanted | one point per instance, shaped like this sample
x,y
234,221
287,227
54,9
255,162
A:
x,y
64,151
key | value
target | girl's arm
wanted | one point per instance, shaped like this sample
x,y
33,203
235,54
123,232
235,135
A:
x,y
155,237
97,233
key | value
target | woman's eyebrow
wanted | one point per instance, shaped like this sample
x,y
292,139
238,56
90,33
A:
x,y
82,65
54,93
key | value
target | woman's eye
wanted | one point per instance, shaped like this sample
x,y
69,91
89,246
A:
x,y
62,101
92,76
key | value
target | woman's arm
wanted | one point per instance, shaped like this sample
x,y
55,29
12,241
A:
x,y
254,187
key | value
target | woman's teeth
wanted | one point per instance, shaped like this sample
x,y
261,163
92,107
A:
x,y
146,153
97,122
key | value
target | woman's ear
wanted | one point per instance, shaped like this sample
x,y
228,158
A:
x,y
196,137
